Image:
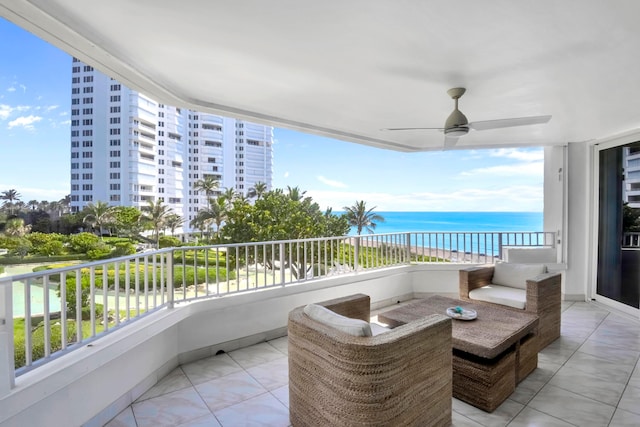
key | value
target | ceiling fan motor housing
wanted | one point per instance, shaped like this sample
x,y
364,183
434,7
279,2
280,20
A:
x,y
456,124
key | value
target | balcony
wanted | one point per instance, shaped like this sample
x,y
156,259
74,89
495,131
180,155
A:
x,y
190,354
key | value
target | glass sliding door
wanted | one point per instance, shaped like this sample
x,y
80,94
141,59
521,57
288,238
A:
x,y
618,275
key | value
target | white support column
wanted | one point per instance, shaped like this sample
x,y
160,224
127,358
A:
x,y
7,367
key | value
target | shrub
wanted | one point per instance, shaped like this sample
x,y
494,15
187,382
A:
x,y
169,242
71,299
83,242
37,342
100,251
53,247
123,249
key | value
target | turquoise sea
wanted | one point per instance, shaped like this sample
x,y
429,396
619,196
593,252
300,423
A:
x,y
396,222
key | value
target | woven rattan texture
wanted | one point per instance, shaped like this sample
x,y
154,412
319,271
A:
x,y
399,378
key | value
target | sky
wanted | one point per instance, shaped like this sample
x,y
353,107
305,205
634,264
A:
x,y
35,98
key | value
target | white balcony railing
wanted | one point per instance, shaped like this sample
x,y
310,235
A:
x,y
66,308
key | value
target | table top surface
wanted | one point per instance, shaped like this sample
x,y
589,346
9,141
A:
x,y
491,333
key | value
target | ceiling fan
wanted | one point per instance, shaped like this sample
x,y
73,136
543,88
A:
x,y
457,124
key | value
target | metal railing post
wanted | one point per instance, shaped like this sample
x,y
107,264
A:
x,y
356,253
282,260
170,278
408,248
7,365
500,243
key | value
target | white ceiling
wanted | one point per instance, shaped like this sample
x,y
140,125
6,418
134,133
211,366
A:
x,y
346,69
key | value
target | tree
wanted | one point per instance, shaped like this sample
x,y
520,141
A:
x,y
98,215
15,228
229,195
257,190
33,204
126,220
10,197
295,194
154,216
276,216
360,217
209,185
630,218
214,213
174,221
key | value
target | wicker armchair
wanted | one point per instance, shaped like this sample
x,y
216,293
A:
x,y
398,378
543,298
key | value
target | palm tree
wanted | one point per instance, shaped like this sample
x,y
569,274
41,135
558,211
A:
x,y
98,215
209,185
33,204
10,196
229,195
174,221
65,202
215,213
155,216
295,194
360,217
257,190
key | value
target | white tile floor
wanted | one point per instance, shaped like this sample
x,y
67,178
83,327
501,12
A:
x,y
589,377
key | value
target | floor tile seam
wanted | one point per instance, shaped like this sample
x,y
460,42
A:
x,y
582,395
249,398
615,346
627,386
205,404
547,414
470,419
276,348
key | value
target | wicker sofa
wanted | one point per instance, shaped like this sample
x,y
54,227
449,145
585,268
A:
x,y
402,377
540,295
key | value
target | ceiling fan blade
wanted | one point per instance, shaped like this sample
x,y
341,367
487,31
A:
x,y
412,129
450,141
506,123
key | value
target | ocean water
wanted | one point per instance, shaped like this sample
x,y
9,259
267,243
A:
x,y
396,222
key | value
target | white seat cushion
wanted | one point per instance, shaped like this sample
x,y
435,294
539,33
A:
x,y
378,329
355,327
503,295
516,275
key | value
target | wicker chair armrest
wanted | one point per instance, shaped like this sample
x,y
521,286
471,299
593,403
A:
x,y
543,292
357,306
474,277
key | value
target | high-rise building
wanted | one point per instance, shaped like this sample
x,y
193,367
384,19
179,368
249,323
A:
x,y
127,148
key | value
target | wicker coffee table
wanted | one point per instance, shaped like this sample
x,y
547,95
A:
x,y
491,354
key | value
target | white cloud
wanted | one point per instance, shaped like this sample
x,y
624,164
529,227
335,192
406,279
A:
x,y
24,121
286,174
24,88
5,111
65,122
518,154
331,183
11,89
64,113
510,198
519,169
51,107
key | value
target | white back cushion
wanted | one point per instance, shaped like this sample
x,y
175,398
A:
x,y
356,327
516,275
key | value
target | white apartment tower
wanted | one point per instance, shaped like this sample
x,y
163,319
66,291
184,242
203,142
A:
x,y
127,148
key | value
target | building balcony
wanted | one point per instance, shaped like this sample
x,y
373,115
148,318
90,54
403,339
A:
x,y
212,349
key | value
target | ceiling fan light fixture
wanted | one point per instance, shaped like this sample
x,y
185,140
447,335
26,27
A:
x,y
457,131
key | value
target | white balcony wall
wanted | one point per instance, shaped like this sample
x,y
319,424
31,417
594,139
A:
x,y
113,372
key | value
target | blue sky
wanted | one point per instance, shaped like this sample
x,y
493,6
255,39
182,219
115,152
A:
x,y
35,97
